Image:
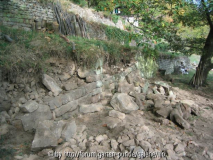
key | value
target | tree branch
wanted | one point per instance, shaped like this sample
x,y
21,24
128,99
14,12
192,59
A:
x,y
207,14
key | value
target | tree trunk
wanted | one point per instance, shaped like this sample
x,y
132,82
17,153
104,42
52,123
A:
x,y
205,64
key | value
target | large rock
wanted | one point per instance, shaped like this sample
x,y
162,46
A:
x,y
47,134
192,105
165,111
90,108
177,116
30,120
51,84
71,106
69,130
123,103
29,107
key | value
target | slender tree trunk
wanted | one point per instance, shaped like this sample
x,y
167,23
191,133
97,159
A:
x,y
205,64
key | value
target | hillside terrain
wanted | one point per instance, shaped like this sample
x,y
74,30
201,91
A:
x,y
94,94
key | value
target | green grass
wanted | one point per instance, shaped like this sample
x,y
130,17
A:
x,y
32,49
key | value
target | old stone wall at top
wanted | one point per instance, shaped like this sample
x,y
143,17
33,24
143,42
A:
x,y
25,14
169,63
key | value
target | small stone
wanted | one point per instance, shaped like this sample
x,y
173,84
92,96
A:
x,y
99,138
129,143
117,114
114,144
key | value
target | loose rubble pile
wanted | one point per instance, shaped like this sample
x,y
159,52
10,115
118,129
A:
x,y
129,113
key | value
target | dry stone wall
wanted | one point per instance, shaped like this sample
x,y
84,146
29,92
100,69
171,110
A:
x,y
25,14
170,64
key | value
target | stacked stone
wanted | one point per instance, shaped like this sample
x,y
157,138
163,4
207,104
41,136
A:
x,y
169,64
23,14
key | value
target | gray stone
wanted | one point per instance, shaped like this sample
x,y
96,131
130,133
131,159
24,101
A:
x,y
86,99
4,129
93,78
99,138
145,145
145,87
47,134
90,87
65,77
179,148
139,152
83,73
129,143
116,114
177,116
66,108
51,84
165,111
70,86
124,87
123,103
114,144
69,130
29,107
30,120
5,106
90,108
112,122
76,94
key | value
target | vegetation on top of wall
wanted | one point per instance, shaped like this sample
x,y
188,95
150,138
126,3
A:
x,y
31,49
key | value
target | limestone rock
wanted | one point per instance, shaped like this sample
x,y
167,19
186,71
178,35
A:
x,y
93,78
71,106
179,148
69,130
129,143
113,122
30,120
116,114
90,108
114,144
177,116
47,134
99,138
4,129
65,76
191,104
70,86
165,111
139,152
145,145
83,73
145,87
124,87
29,107
123,103
51,84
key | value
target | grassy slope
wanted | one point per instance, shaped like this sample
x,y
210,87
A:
x,y
32,49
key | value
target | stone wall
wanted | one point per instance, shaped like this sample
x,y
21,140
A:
x,y
25,14
169,63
